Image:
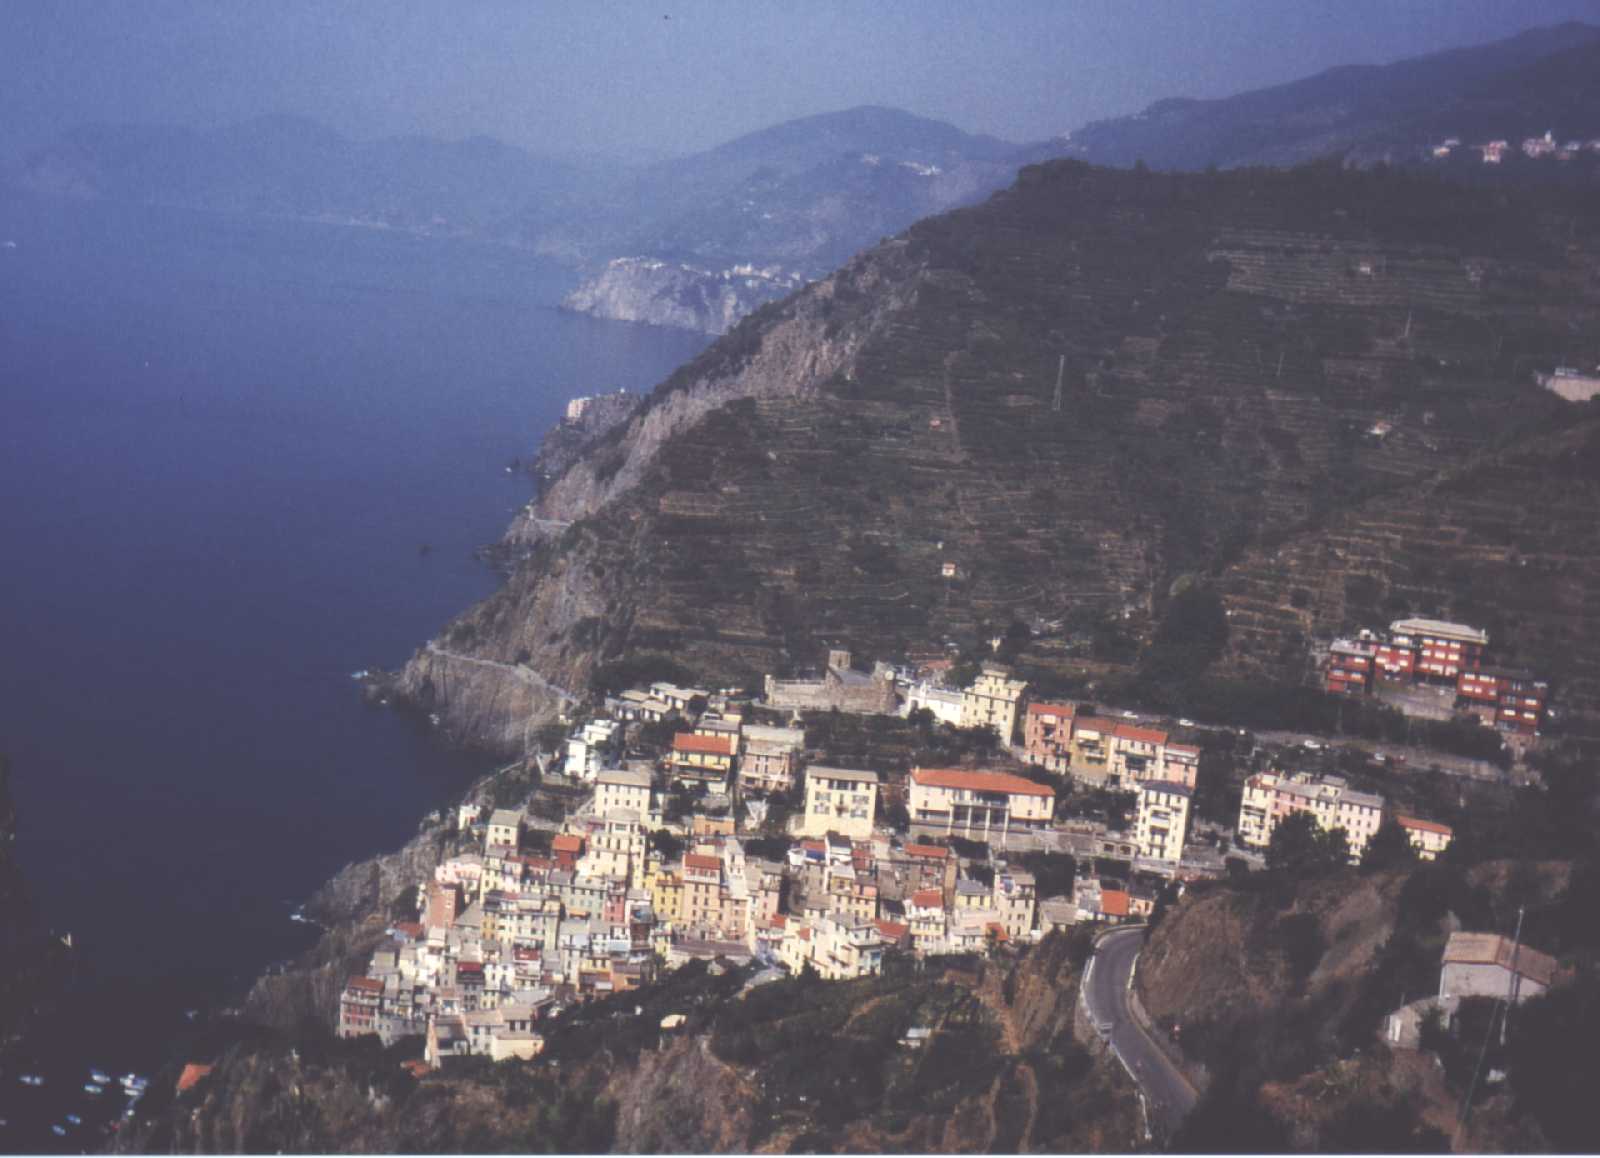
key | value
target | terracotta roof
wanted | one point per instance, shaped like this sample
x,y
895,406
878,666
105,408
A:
x,y
893,930
710,745
935,851
370,984
192,1075
978,781
1493,949
1114,903
928,899
1094,724
416,1067
697,860
567,842
1046,709
1189,749
1143,735
1424,825
412,929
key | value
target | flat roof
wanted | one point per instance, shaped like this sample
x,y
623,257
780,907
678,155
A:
x,y
856,775
1441,628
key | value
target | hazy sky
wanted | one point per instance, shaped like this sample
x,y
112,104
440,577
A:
x,y
679,75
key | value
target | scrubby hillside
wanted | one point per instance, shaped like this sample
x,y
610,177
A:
x,y
795,1065
1278,989
1082,391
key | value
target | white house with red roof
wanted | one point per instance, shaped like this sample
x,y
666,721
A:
x,y
974,802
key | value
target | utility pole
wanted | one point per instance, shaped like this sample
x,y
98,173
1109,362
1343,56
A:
x,y
1512,986
1061,369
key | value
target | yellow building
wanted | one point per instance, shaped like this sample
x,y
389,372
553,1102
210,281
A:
x,y
841,800
704,760
993,701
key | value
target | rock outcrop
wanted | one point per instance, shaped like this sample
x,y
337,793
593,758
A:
x,y
663,293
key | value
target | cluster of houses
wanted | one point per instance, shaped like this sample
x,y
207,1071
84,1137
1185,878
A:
x,y
528,922
1269,797
530,916
1495,152
1432,651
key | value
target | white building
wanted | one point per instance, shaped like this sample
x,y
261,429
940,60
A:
x,y
962,800
592,748
1163,821
944,703
622,790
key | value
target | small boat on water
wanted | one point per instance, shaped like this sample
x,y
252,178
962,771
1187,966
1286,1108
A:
x,y
134,1084
100,1077
31,1080
74,1120
92,1088
59,1131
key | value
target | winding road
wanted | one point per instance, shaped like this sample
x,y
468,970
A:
x,y
1167,1093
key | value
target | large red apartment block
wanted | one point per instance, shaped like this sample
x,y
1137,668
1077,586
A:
x,y
1431,650
1351,666
1512,699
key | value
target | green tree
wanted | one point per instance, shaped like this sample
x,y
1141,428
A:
x,y
1389,848
1300,848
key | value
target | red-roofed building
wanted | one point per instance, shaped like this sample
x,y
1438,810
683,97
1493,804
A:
x,y
894,933
193,1074
704,760
1428,837
978,802
1114,905
567,847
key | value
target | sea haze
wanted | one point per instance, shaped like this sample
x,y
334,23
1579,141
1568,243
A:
x,y
223,445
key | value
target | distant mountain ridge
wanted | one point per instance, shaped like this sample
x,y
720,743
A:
x,y
660,242
1367,112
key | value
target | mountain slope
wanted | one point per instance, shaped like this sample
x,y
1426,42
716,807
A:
x,y
1374,111
290,166
1222,343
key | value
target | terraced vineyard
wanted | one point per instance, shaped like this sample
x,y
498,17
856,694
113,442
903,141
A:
x,y
1308,384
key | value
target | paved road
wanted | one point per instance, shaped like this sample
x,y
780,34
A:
x,y
1168,1096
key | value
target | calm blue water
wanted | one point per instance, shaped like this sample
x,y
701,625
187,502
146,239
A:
x,y
222,445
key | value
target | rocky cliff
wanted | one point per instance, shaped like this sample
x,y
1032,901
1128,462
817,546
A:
x,y
354,908
662,293
1076,394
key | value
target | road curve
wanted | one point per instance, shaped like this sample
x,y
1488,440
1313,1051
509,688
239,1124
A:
x,y
1168,1095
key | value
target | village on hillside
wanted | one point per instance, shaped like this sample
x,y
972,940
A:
x,y
685,823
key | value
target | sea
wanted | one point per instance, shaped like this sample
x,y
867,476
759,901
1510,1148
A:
x,y
240,460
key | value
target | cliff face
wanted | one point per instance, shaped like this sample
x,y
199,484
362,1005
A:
x,y
639,289
1077,393
354,908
